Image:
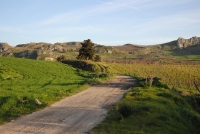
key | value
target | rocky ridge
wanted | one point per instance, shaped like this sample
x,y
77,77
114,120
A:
x,y
4,47
41,50
184,43
48,51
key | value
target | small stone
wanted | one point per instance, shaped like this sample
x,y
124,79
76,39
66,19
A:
x,y
37,102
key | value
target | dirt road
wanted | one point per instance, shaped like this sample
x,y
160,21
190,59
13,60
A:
x,y
76,114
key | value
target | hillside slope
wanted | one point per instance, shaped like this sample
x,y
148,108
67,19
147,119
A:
x,y
24,80
40,51
47,51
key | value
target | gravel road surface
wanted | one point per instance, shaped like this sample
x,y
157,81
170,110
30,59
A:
x,y
76,114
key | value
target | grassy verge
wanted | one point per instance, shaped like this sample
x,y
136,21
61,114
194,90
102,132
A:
x,y
23,80
155,110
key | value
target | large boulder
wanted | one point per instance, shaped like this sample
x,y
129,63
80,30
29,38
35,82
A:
x,y
183,43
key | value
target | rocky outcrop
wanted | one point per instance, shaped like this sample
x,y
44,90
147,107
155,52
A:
x,y
41,50
30,54
103,49
4,47
183,43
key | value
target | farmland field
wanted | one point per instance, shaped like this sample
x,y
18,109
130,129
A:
x,y
180,76
165,101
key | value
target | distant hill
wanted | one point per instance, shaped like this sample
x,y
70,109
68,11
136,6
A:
x,y
189,46
48,51
39,50
182,46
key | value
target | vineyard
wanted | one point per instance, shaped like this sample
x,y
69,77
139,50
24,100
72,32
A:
x,y
179,76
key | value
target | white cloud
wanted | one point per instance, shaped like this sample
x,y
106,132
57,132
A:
x,y
26,37
108,7
79,14
109,3
170,22
135,8
62,18
11,29
156,3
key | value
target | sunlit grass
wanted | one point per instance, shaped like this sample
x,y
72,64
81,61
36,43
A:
x,y
168,107
180,76
153,111
22,81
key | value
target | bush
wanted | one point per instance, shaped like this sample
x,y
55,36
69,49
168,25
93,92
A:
x,y
61,58
97,58
125,109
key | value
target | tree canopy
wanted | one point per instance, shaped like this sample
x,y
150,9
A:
x,y
87,50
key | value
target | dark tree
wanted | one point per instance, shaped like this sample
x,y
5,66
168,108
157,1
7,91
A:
x,y
87,50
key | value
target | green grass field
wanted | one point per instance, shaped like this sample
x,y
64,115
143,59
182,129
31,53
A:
x,y
168,107
155,110
182,57
23,80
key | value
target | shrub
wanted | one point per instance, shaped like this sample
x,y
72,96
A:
x,y
60,58
125,109
97,58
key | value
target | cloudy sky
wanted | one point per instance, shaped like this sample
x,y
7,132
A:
x,y
106,22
